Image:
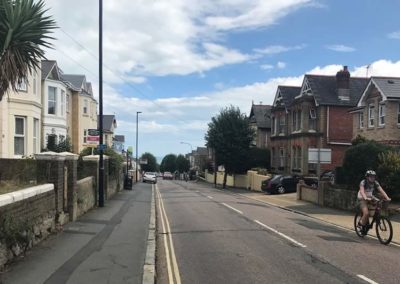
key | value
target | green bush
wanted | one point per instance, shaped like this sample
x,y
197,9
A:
x,y
360,158
389,172
115,160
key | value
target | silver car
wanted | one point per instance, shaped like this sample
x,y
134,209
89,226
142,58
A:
x,y
150,177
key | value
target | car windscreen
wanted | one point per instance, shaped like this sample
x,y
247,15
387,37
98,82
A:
x,y
275,178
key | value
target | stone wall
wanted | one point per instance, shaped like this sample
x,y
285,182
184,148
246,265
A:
x,y
26,217
21,171
307,193
86,195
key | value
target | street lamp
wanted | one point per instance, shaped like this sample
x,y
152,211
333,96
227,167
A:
x,y
191,148
137,142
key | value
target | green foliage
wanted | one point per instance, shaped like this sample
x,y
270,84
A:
x,y
389,172
359,140
358,159
168,163
230,135
63,146
24,32
115,160
258,158
182,164
151,163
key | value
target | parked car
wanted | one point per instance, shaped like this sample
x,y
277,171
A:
x,y
286,183
328,176
150,177
168,175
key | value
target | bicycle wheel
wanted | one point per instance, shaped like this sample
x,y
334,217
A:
x,y
384,230
357,218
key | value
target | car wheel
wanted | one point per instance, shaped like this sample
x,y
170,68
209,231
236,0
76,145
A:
x,y
281,189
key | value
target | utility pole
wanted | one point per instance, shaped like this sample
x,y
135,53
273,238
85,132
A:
x,y
137,142
101,162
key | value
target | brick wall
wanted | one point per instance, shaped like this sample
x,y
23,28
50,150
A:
x,y
340,124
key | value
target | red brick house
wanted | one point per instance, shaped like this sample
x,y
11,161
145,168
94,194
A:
x,y
318,117
377,115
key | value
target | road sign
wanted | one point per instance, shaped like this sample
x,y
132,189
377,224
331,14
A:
x,y
93,136
101,147
143,161
324,156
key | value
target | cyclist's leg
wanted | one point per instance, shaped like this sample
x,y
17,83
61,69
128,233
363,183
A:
x,y
365,213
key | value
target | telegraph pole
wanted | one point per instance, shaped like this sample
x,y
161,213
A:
x,y
101,162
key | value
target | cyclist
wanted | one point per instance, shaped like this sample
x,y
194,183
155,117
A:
x,y
368,187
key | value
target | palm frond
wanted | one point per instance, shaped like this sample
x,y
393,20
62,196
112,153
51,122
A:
x,y
25,29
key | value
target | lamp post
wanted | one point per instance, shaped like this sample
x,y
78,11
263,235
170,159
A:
x,y
191,148
137,142
101,162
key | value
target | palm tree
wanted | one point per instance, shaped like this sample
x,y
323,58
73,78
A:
x,y
24,32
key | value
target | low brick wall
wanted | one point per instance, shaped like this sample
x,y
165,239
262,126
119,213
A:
x,y
86,195
255,180
241,181
26,217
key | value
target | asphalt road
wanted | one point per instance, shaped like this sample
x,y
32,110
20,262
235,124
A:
x,y
207,235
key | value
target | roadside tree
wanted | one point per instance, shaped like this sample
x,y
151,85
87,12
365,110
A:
x,y
151,165
230,135
182,164
24,32
168,163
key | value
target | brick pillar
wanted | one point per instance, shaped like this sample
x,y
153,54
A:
x,y
71,162
51,170
91,167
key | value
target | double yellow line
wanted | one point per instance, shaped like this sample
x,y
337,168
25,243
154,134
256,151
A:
x,y
172,265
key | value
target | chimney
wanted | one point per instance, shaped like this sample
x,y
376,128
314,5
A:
x,y
343,84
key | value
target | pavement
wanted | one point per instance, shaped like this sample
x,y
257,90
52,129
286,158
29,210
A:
x,y
106,245
341,218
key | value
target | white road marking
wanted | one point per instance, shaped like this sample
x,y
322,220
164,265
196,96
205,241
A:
x,y
366,279
210,197
234,209
173,256
281,234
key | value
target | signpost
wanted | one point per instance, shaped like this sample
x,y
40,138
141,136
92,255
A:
x,y
93,137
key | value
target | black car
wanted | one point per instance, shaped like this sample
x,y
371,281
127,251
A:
x,y
286,183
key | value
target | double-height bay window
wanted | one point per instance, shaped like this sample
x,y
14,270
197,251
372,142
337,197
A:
x,y
19,136
35,135
62,102
371,115
382,111
52,101
294,121
281,158
273,126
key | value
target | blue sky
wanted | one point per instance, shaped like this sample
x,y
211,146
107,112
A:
x,y
182,61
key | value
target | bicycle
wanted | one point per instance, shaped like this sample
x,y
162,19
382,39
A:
x,y
383,227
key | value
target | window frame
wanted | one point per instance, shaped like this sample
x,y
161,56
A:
x,y
381,114
371,115
361,120
17,135
282,126
23,86
62,102
36,135
53,101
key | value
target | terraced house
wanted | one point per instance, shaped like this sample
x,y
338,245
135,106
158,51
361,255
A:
x,y
21,118
314,116
377,115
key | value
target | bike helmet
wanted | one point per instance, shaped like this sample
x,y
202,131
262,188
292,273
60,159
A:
x,y
370,173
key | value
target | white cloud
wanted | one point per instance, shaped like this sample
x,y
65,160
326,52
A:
x,y
281,65
267,66
276,49
340,48
394,35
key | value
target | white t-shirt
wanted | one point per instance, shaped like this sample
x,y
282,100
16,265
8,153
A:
x,y
369,188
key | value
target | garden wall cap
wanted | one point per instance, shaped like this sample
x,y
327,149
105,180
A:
x,y
49,156
70,156
94,157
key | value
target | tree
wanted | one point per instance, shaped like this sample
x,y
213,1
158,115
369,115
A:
x,y
182,164
24,32
258,157
62,146
230,135
168,163
151,162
